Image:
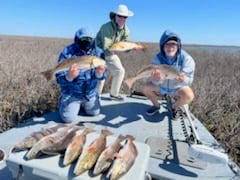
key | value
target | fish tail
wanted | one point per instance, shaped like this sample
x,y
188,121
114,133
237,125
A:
x,y
143,47
47,74
129,82
106,132
121,137
32,153
88,131
130,137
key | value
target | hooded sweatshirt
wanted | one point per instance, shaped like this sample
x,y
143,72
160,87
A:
x,y
183,62
84,86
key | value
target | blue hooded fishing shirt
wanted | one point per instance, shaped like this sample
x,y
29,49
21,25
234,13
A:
x,y
84,86
182,62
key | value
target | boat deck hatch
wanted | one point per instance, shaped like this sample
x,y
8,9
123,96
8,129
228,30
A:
x,y
173,151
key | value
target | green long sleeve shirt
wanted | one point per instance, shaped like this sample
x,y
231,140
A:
x,y
110,34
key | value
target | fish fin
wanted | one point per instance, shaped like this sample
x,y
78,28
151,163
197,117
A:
x,y
90,149
51,153
117,155
129,82
142,47
162,79
47,74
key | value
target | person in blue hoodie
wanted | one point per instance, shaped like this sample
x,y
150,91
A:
x,y
171,53
79,86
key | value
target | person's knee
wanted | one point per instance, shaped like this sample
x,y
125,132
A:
x,y
67,117
147,88
119,72
93,112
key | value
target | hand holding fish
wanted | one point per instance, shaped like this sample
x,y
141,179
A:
x,y
181,77
156,74
100,70
73,72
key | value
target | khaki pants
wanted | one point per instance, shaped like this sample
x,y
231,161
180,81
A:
x,y
117,70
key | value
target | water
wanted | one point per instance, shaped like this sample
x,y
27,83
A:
x,y
228,49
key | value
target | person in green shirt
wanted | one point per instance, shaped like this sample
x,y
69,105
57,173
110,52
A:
x,y
111,32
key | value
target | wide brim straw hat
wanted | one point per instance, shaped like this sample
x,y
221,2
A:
x,y
122,10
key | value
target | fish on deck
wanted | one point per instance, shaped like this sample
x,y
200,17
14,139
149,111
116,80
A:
x,y
107,156
167,72
124,159
34,137
92,153
123,46
84,62
74,149
53,143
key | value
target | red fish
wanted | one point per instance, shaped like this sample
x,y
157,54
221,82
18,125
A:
x,y
124,159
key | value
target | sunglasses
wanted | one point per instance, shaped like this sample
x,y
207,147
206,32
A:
x,y
89,39
125,17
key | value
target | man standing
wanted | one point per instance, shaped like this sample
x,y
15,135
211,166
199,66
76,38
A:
x,y
111,32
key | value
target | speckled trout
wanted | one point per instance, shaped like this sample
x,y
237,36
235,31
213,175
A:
x,y
84,62
53,143
107,156
92,153
124,159
122,46
167,72
74,149
30,140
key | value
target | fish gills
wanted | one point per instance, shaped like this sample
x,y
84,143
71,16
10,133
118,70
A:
x,y
107,156
75,148
84,62
124,159
92,153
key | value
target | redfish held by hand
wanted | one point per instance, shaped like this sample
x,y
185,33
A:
x,y
53,143
166,71
107,156
84,62
122,46
30,140
74,149
124,159
92,153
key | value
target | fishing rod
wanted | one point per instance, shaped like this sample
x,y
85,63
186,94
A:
x,y
200,151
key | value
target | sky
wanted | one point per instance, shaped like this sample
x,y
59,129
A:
x,y
204,22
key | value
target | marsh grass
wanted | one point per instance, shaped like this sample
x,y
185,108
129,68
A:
x,y
24,93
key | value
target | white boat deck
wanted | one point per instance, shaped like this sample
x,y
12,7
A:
x,y
166,157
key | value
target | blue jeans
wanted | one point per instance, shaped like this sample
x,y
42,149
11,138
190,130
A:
x,y
69,107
